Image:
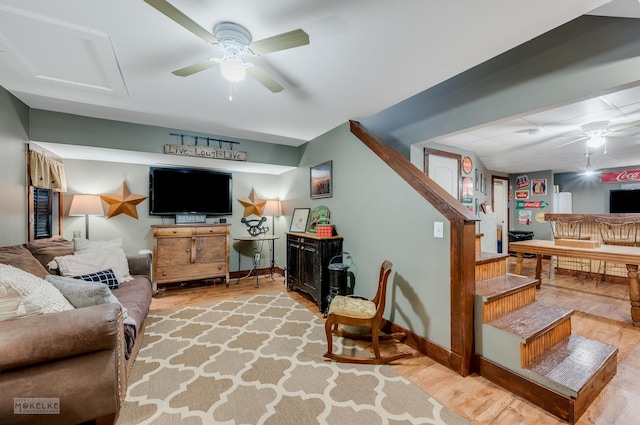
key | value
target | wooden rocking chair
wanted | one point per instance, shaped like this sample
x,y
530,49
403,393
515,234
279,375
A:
x,y
357,311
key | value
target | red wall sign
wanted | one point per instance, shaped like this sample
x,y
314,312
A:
x,y
620,176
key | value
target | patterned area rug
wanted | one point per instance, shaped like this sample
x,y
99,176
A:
x,y
258,360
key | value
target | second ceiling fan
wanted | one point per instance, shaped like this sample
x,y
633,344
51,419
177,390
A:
x,y
596,133
235,43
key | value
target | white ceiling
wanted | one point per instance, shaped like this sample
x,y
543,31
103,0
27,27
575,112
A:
x,y
113,60
554,139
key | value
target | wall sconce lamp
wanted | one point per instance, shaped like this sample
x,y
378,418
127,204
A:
x,y
86,205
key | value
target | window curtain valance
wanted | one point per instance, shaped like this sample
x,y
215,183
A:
x,y
47,173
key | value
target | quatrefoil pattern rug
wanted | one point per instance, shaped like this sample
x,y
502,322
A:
x,y
258,360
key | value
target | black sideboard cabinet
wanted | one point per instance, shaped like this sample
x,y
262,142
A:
x,y
308,257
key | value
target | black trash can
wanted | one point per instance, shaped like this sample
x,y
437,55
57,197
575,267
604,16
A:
x,y
337,279
520,235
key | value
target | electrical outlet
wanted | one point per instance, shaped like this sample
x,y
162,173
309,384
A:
x,y
256,257
438,229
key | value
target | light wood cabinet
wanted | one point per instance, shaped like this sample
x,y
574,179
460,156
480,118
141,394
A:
x,y
308,257
190,252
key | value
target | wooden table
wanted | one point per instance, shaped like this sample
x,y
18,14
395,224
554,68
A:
x,y
256,250
611,253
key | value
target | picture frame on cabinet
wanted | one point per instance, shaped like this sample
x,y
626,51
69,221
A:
x,y
321,180
299,220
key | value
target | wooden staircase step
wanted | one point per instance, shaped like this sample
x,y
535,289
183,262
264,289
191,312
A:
x,y
502,286
489,265
533,320
579,364
488,257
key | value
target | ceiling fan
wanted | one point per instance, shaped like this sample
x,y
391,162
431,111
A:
x,y
235,43
596,133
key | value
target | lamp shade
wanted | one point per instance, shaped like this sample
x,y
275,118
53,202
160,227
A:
x,y
273,208
86,205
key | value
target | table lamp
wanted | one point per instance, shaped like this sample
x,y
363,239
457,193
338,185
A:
x,y
86,205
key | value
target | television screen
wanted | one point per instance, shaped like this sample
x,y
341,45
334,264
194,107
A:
x,y
189,191
624,201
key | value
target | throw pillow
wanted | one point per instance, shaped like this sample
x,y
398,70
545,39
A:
x,y
107,277
20,257
84,294
92,261
23,294
46,250
87,245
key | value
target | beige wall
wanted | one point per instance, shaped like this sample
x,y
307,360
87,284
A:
x,y
97,177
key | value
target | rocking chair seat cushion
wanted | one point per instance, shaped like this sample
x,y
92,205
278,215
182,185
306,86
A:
x,y
354,307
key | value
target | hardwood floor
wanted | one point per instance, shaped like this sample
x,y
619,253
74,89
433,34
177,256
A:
x,y
602,313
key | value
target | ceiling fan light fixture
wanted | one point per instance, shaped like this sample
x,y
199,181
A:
x,y
233,69
596,140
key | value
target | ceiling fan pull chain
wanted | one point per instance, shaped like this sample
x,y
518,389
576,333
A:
x,y
230,91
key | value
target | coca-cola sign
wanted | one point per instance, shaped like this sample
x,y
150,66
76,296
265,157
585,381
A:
x,y
620,176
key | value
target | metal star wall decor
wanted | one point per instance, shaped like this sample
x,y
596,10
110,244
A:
x,y
253,204
123,201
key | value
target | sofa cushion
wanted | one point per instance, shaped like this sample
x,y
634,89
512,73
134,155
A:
x,y
23,294
107,277
136,296
20,257
84,294
84,262
46,250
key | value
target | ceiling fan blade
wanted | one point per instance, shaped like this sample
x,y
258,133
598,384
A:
x,y
572,141
196,67
621,134
264,79
623,126
176,15
283,41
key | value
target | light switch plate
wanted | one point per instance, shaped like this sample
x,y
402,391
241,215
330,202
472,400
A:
x,y
438,229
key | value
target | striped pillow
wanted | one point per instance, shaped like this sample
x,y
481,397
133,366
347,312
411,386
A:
x,y
107,277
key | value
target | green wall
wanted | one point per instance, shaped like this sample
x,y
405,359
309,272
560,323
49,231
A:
x,y
381,217
589,195
14,118
55,127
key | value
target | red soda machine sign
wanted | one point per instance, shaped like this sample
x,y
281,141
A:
x,y
620,176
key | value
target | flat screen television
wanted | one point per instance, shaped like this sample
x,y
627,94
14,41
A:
x,y
624,201
174,191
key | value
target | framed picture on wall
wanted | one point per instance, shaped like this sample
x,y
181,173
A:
x,y
299,220
467,165
477,179
321,182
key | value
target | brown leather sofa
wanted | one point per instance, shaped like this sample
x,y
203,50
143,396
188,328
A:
x,y
76,356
